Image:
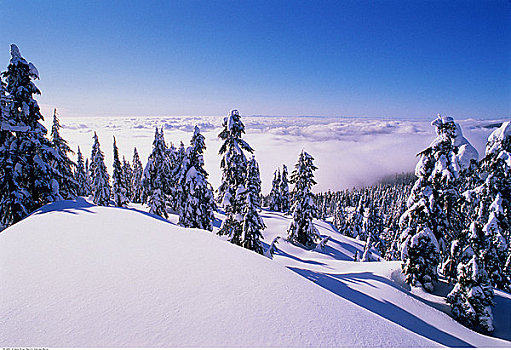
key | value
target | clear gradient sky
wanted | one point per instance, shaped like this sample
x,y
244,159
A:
x,y
401,59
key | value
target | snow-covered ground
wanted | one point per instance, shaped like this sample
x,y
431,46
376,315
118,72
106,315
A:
x,y
74,274
364,149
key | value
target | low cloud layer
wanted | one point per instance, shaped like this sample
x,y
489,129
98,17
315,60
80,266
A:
x,y
348,151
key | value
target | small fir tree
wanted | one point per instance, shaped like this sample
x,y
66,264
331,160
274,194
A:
x,y
136,182
285,202
275,200
118,189
81,176
127,178
254,185
197,202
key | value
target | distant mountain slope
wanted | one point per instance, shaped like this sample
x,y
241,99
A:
x,y
73,274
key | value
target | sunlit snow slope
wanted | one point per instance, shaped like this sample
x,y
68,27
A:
x,y
74,274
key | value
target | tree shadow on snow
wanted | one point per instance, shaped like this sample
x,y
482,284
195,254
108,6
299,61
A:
x,y
346,246
334,253
312,262
71,206
327,226
335,284
502,316
153,216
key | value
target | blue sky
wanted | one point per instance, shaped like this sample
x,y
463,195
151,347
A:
x,y
329,58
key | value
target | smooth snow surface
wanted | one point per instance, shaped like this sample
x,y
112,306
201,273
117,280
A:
x,y
77,275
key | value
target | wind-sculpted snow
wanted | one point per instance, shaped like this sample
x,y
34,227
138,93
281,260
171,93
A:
x,y
348,151
77,275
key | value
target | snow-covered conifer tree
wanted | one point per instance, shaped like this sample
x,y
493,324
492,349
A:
x,y
62,165
231,192
275,200
340,218
155,177
89,176
285,201
472,296
254,182
136,182
492,202
197,201
433,219
101,191
253,224
27,178
302,229
127,178
81,176
372,227
118,190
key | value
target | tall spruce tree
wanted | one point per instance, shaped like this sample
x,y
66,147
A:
x,y
62,165
231,192
302,229
27,178
197,201
136,182
101,191
118,189
432,220
285,201
81,176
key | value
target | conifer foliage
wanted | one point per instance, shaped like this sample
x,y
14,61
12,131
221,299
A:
x,y
231,192
127,178
118,187
197,202
27,179
101,191
81,176
253,224
472,296
302,229
429,224
275,203
136,178
155,178
62,165
279,196
285,204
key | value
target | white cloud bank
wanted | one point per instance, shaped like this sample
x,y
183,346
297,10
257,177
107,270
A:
x,y
348,151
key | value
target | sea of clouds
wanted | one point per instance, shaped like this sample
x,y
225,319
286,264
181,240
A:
x,y
348,151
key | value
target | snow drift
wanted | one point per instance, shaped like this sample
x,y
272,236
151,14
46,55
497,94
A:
x,y
77,275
